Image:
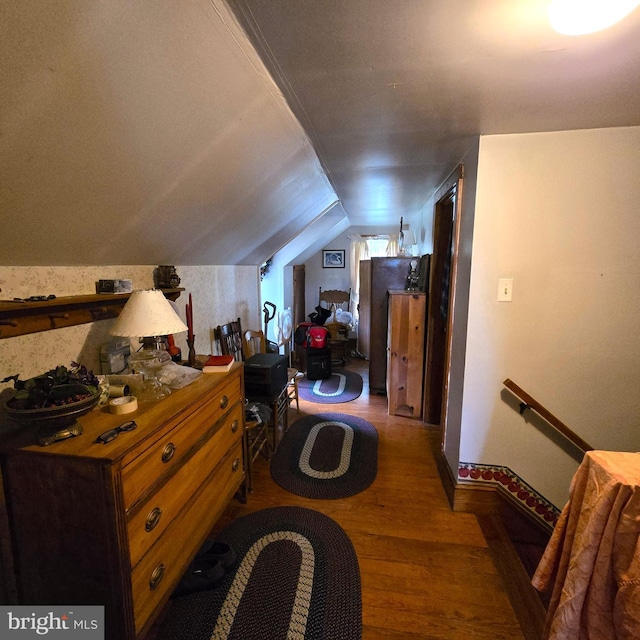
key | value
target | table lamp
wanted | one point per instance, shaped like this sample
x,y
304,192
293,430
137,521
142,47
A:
x,y
408,239
148,315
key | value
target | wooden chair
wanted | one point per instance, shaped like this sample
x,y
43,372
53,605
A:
x,y
335,299
230,338
254,342
292,386
256,440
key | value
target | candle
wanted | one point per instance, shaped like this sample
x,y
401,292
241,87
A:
x,y
189,314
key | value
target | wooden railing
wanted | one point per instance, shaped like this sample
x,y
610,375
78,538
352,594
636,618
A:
x,y
529,403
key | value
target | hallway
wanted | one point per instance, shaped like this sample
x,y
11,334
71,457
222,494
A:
x,y
426,571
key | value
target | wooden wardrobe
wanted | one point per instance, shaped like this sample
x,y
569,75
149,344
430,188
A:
x,y
377,277
405,355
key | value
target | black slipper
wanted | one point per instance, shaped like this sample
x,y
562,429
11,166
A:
x,y
203,574
218,550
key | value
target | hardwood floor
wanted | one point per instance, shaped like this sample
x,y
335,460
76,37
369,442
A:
x,y
426,571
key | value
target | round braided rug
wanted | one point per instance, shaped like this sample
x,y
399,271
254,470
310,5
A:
x,y
296,578
341,386
327,456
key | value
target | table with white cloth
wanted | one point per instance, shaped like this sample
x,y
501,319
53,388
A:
x,y
592,561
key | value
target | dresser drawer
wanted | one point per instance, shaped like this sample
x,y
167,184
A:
x,y
150,520
148,464
160,569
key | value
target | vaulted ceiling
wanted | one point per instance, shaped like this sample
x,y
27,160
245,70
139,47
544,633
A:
x,y
205,132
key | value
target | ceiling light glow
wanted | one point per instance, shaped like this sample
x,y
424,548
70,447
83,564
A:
x,y
579,17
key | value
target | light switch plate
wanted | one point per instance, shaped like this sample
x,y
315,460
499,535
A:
x,y
505,289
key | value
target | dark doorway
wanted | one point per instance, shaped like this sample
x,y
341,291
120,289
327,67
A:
x,y
441,288
299,293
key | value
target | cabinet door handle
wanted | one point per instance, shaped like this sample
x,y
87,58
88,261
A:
x,y
168,451
234,426
224,401
152,519
235,465
156,576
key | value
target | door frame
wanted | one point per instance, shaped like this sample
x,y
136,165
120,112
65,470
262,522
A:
x,y
298,311
442,289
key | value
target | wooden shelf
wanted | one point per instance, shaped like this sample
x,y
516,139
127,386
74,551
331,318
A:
x,y
21,318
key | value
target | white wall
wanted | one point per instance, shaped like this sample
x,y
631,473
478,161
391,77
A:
x,y
558,213
272,289
316,276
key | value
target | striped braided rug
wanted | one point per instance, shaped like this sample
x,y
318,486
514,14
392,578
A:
x,y
296,578
327,456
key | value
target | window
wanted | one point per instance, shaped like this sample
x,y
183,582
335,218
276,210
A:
x,y
363,248
378,246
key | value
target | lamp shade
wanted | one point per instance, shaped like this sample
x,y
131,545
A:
x,y
409,238
147,313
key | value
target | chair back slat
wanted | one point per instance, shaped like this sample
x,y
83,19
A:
x,y
341,299
230,338
254,342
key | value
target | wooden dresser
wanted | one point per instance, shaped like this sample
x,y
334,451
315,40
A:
x,y
406,340
118,523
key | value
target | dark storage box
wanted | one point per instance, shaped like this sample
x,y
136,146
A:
x,y
318,364
265,375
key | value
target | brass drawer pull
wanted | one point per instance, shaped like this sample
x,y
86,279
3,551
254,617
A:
x,y
152,519
224,401
156,576
235,465
234,426
168,451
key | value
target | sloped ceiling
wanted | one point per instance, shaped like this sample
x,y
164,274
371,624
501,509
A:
x,y
315,237
145,133
216,132
394,92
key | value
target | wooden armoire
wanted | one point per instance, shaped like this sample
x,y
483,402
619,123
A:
x,y
377,277
405,363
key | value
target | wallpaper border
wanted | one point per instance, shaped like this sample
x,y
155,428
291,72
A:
x,y
510,483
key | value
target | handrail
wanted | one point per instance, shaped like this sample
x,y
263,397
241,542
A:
x,y
530,403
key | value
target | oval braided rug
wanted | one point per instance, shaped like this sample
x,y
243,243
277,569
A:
x,y
327,455
296,577
342,386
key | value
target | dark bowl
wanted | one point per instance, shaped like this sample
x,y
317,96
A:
x,y
53,418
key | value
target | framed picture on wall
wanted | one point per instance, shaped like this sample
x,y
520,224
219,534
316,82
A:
x,y
333,258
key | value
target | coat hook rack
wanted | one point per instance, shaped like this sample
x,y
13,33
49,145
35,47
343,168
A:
x,y
96,313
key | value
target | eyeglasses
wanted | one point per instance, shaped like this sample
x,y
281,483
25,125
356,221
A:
x,y
112,434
